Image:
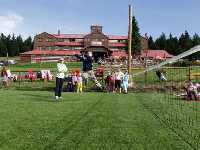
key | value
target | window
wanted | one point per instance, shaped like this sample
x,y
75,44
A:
x,y
39,40
78,48
79,40
61,40
113,41
72,40
66,40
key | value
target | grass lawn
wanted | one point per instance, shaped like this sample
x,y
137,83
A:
x,y
31,120
39,66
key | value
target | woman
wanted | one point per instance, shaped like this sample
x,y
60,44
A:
x,y
61,70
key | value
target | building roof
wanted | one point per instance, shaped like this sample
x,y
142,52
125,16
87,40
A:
x,y
69,36
156,54
81,36
52,52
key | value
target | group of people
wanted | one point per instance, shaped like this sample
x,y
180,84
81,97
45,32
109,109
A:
x,y
74,82
114,81
75,79
192,91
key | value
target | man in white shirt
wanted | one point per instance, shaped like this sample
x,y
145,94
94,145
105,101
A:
x,y
60,75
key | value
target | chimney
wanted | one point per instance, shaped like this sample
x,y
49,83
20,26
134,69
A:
x,y
146,35
96,29
58,32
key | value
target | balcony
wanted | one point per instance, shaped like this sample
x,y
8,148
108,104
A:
x,y
69,44
117,44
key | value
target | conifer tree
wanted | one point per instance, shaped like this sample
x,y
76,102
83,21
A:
x,y
136,38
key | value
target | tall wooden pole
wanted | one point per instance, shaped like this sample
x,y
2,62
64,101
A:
x,y
130,43
129,39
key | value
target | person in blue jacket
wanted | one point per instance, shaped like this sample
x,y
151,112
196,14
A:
x,y
88,68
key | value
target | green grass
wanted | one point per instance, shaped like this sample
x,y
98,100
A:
x,y
90,121
39,66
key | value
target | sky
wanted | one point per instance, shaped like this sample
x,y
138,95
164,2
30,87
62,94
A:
x,y
31,17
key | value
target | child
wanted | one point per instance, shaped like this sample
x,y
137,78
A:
x,y
125,82
118,80
69,83
74,81
79,83
110,82
107,81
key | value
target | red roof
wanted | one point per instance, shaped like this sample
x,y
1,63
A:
x,y
68,44
52,52
156,54
117,44
81,36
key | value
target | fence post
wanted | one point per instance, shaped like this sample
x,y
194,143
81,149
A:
x,y
19,79
189,73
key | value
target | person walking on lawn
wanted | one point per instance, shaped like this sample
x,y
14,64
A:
x,y
60,75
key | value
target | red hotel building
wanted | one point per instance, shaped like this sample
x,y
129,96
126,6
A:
x,y
46,44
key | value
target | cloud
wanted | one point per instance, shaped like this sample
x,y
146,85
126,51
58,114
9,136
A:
x,y
10,22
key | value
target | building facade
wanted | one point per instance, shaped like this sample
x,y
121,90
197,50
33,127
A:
x,y
96,41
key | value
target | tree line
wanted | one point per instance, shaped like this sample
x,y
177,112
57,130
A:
x,y
13,45
176,45
173,44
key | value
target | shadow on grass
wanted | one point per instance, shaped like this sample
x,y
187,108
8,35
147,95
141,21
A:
x,y
49,89
40,98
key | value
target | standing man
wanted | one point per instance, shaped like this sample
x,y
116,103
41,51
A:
x,y
61,70
88,68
